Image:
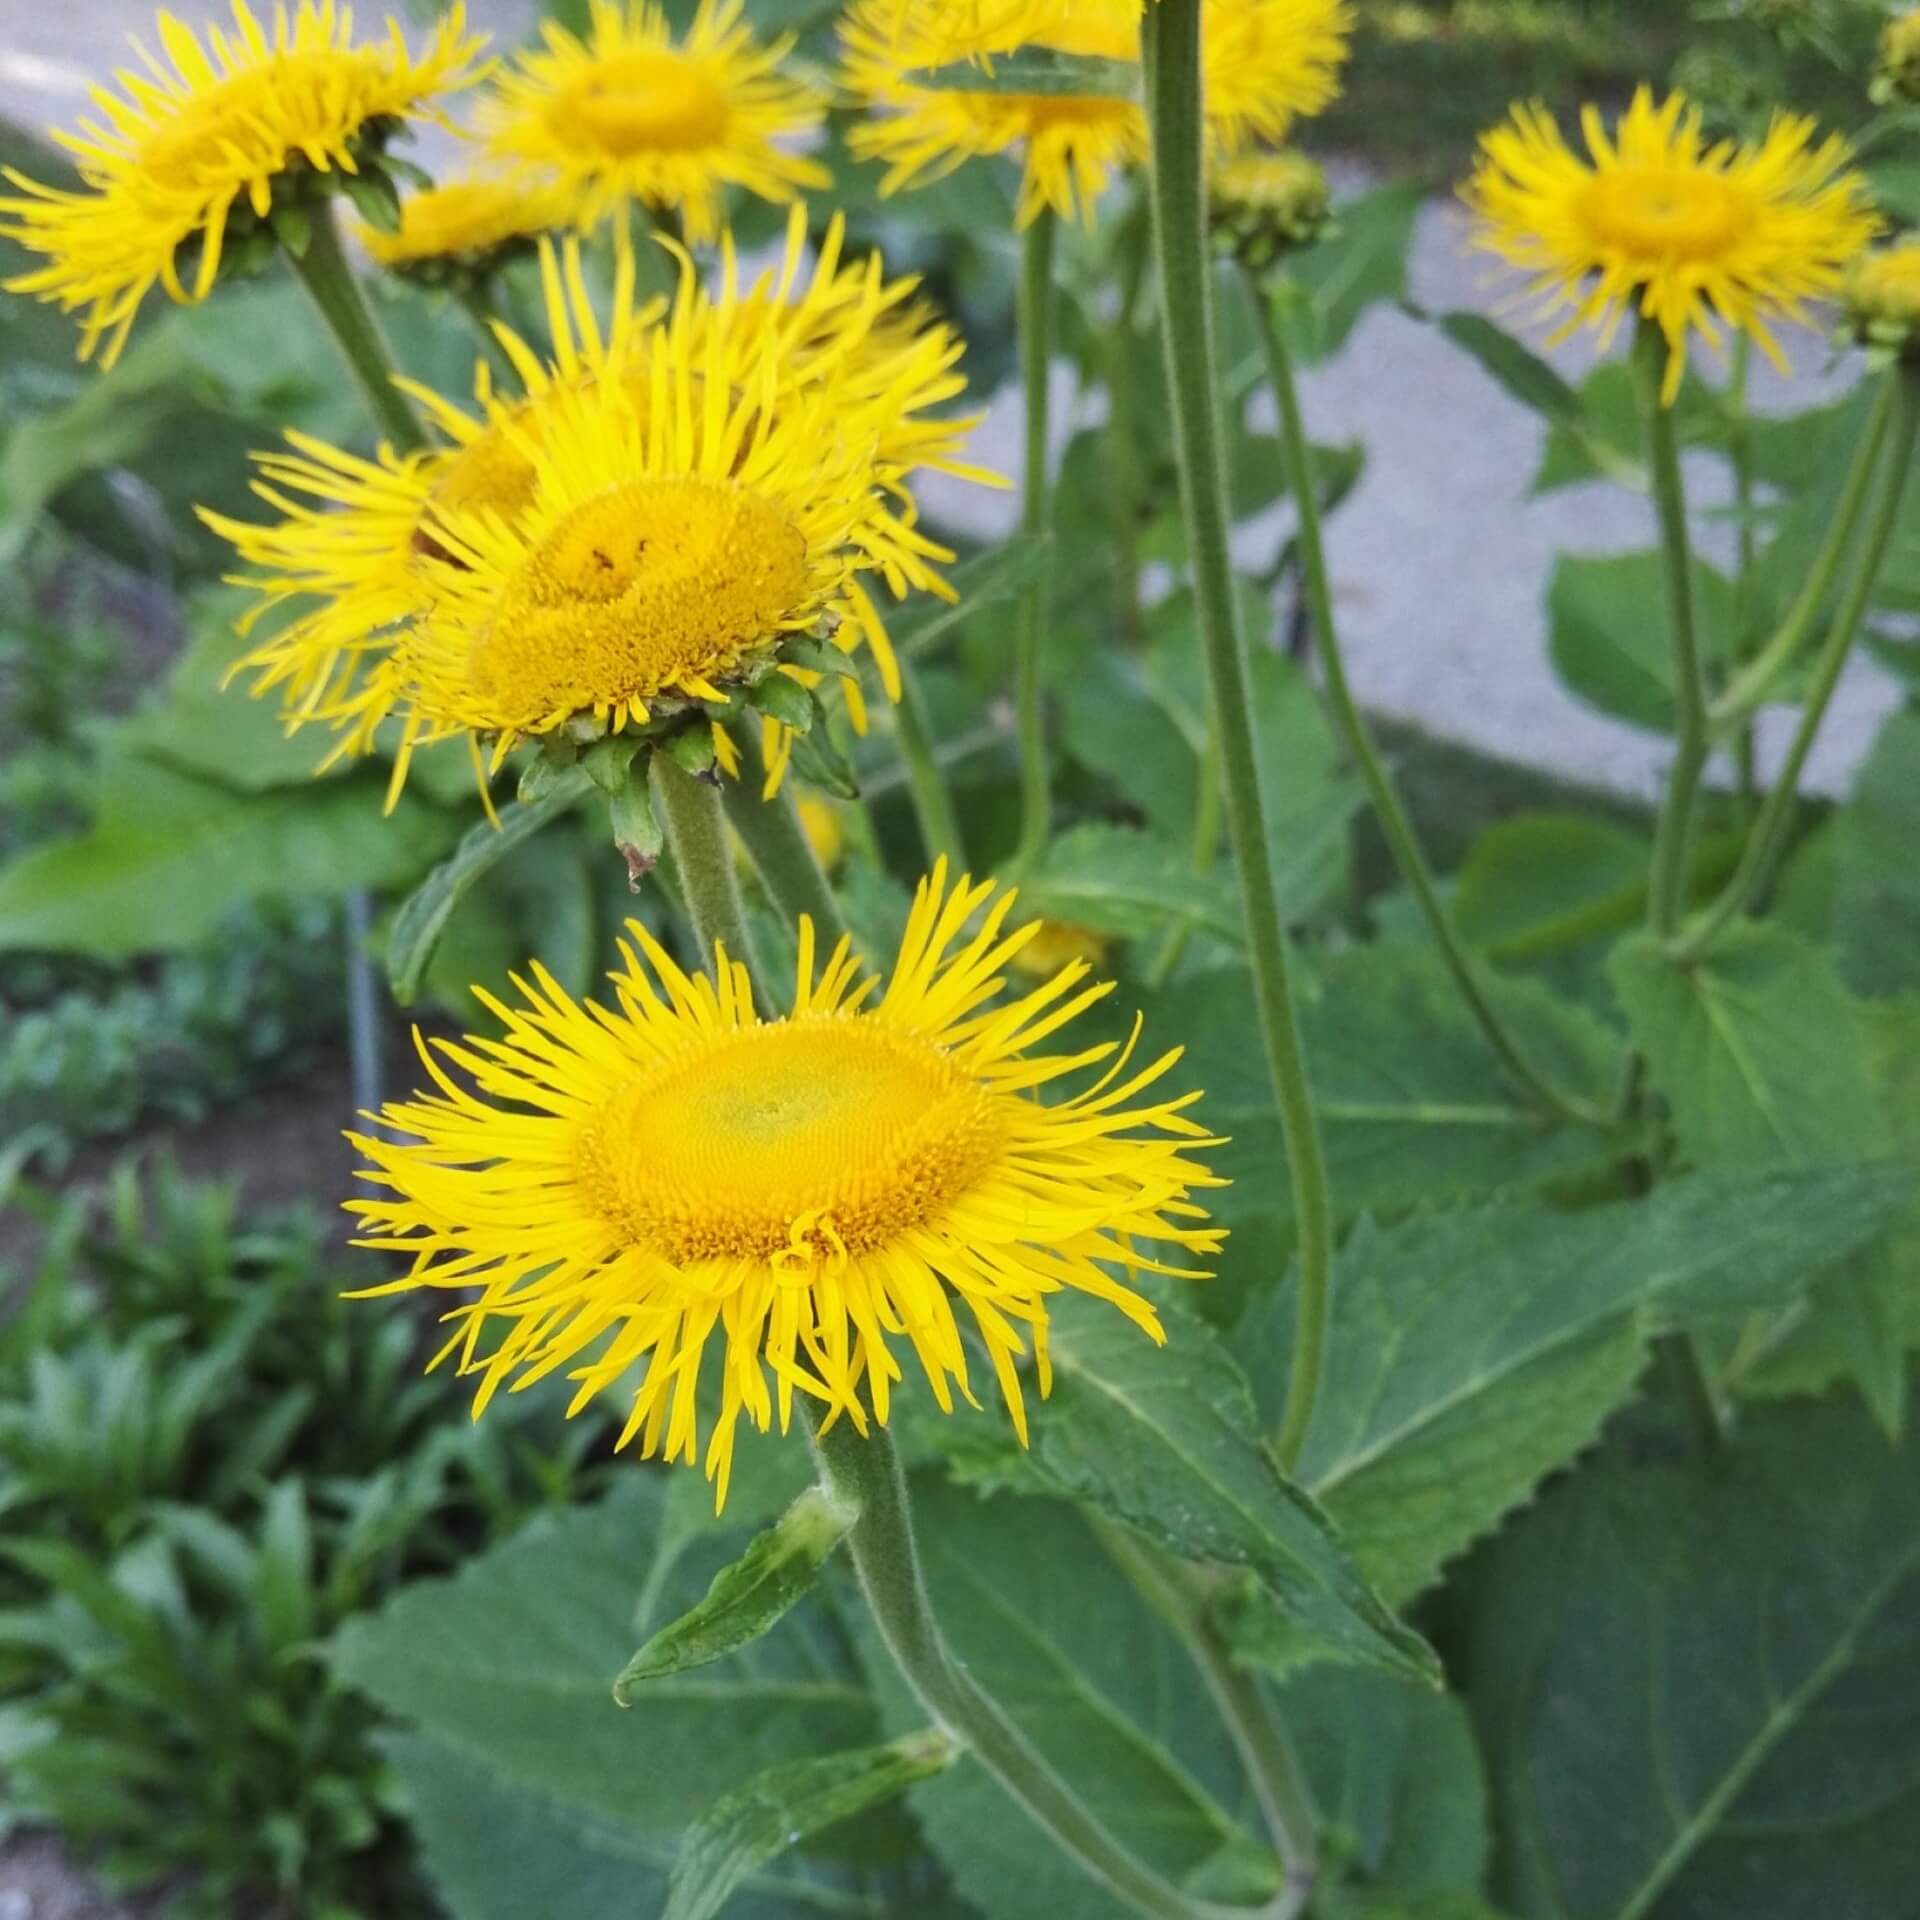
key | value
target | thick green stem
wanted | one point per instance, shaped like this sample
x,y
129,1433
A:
x,y
1171,52
777,844
323,270
864,1471
1176,1593
1127,478
1036,354
1395,823
1673,831
1751,685
1775,819
696,826
926,785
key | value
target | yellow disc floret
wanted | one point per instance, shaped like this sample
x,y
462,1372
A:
x,y
632,115
621,1188
213,132
1699,238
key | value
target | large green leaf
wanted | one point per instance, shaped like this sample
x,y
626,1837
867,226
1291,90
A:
x,y
1541,882
1472,1352
495,1850
1167,1439
1131,884
1040,1617
1607,623
1877,879
511,1663
1396,1776
1413,1105
1361,265
168,855
1699,1688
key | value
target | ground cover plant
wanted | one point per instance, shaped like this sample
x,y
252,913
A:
x,y
1168,1303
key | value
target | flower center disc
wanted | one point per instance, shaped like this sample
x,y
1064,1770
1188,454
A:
x,y
240,115
1665,213
642,103
635,589
794,1134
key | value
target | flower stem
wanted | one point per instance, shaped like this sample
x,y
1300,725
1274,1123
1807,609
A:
x,y
1395,823
864,1471
691,812
322,269
1749,687
777,844
1170,49
1771,825
1673,831
1174,1591
926,784
1036,354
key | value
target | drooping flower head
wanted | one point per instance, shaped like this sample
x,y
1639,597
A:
x,y
632,116
196,152
625,1186
464,230
368,546
1699,238
1267,63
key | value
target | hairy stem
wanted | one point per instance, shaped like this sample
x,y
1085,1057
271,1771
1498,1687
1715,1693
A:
x,y
1171,53
926,785
777,844
1036,354
691,812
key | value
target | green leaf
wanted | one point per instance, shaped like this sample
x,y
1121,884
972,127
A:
x,y
1755,1045
1033,70
1167,1439
507,1663
1413,1106
1036,1613
1608,631
1606,441
1123,882
1518,369
419,923
168,855
1471,1353
1699,1688
1877,880
749,1595
1362,264
1541,882
985,580
1395,1774
758,1822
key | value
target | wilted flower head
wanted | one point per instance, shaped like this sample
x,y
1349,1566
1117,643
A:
x,y
191,161
1696,238
623,1187
632,116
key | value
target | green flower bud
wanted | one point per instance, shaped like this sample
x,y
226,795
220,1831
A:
x,y
1267,205
1883,300
1897,77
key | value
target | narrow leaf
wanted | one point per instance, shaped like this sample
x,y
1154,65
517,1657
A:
x,y
785,1804
748,1596
1521,371
1034,70
419,923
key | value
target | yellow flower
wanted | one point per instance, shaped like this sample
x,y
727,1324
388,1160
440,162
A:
x,y
1699,238
1266,63
209,130
1058,943
630,115
1264,206
359,536
624,1186
465,225
1882,298
1897,77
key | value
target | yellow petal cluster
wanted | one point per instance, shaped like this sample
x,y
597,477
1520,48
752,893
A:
x,y
1699,238
622,1188
208,128
466,223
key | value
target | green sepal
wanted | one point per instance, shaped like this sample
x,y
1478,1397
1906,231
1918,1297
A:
x,y
608,759
375,198
783,698
818,656
776,1571
692,749
636,827
817,757
292,226
557,759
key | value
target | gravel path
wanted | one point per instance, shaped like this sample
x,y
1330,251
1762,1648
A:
x,y
1440,564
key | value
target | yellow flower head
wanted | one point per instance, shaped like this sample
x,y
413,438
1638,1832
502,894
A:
x,y
631,115
1897,77
1882,298
466,226
365,543
1058,943
1698,237
624,1186
209,129
1266,205
1266,63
